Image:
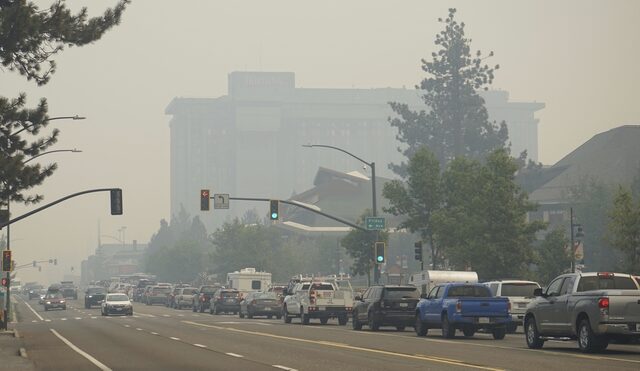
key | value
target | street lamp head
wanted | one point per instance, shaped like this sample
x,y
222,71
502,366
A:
x,y
76,117
307,145
76,150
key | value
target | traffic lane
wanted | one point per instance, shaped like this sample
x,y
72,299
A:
x,y
125,348
514,344
296,353
480,350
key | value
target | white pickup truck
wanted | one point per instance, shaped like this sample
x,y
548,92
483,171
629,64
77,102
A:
x,y
322,300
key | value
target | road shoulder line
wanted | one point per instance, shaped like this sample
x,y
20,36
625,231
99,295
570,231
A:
x,y
86,355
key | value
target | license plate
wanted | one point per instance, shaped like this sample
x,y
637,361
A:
x,y
267,308
404,305
483,320
322,308
118,309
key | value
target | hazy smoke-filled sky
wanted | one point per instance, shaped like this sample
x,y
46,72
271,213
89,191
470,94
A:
x,y
578,57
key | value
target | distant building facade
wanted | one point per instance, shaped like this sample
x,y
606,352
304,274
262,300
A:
x,y
112,260
249,142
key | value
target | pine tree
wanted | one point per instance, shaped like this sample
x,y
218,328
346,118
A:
x,y
456,122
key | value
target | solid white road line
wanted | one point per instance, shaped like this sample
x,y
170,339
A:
x,y
86,355
34,312
235,355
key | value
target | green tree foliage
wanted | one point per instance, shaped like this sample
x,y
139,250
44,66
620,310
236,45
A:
x,y
456,122
591,201
483,223
29,39
624,229
418,198
553,256
180,250
359,245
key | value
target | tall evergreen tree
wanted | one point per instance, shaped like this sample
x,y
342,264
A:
x,y
624,229
29,39
456,122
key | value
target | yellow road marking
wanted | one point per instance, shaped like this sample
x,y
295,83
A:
x,y
350,347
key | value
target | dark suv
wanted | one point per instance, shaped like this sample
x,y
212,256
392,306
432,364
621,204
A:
x,y
388,305
225,300
94,296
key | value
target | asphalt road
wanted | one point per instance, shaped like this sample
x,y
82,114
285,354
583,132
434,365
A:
x,y
160,338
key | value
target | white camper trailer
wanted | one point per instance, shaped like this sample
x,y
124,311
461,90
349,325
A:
x,y
425,280
248,280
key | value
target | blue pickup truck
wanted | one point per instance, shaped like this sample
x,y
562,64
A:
x,y
463,306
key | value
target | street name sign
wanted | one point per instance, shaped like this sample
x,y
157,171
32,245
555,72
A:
x,y
375,223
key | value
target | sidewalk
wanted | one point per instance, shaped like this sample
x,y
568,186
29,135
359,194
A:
x,y
10,345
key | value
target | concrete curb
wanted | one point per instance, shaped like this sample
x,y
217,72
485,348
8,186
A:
x,y
23,353
16,334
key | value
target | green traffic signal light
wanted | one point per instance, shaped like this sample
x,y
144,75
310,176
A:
x,y
273,207
380,255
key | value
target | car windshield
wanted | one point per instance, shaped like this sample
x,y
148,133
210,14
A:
x,y
54,296
401,293
265,296
469,291
118,297
96,291
161,290
230,294
606,282
518,289
322,286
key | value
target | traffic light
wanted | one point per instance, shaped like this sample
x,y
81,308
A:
x,y
6,260
380,253
34,263
116,202
5,282
417,248
204,200
273,209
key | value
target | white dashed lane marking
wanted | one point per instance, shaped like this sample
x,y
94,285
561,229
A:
x,y
174,338
235,355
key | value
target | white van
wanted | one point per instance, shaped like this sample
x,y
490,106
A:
x,y
248,280
425,280
520,294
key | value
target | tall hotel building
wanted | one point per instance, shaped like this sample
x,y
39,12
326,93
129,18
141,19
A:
x,y
248,143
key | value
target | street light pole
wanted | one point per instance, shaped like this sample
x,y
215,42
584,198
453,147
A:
x,y
8,247
374,203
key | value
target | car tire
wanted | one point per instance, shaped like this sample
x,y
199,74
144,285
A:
x,y
499,333
201,308
324,321
241,314
216,310
588,341
193,307
448,331
304,318
420,326
531,334
249,314
278,317
270,316
130,313
372,323
400,328
343,319
468,331
355,324
46,309
285,315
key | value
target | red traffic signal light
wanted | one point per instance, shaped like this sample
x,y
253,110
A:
x,y
204,199
6,260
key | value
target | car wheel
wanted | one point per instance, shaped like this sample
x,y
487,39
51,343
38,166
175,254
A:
x,y
420,327
304,318
270,316
46,309
201,308
355,323
285,315
130,313
210,310
448,331
400,328
249,314
324,321
216,310
373,324
468,331
588,342
193,307
241,314
278,317
531,334
343,319
499,333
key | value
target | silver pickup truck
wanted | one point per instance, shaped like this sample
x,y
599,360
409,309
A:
x,y
593,308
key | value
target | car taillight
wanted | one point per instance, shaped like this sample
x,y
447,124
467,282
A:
x,y
458,306
605,274
508,306
603,303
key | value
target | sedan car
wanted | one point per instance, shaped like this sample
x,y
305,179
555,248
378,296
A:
x,y
225,300
54,300
117,304
94,296
260,304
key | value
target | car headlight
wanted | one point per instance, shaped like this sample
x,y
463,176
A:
x,y
90,296
48,302
61,301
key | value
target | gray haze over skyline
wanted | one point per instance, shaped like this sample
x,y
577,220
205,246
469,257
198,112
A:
x,y
577,57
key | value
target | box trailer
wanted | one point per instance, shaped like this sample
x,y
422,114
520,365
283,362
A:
x,y
247,280
425,280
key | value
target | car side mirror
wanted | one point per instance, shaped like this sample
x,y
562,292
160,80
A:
x,y
538,292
